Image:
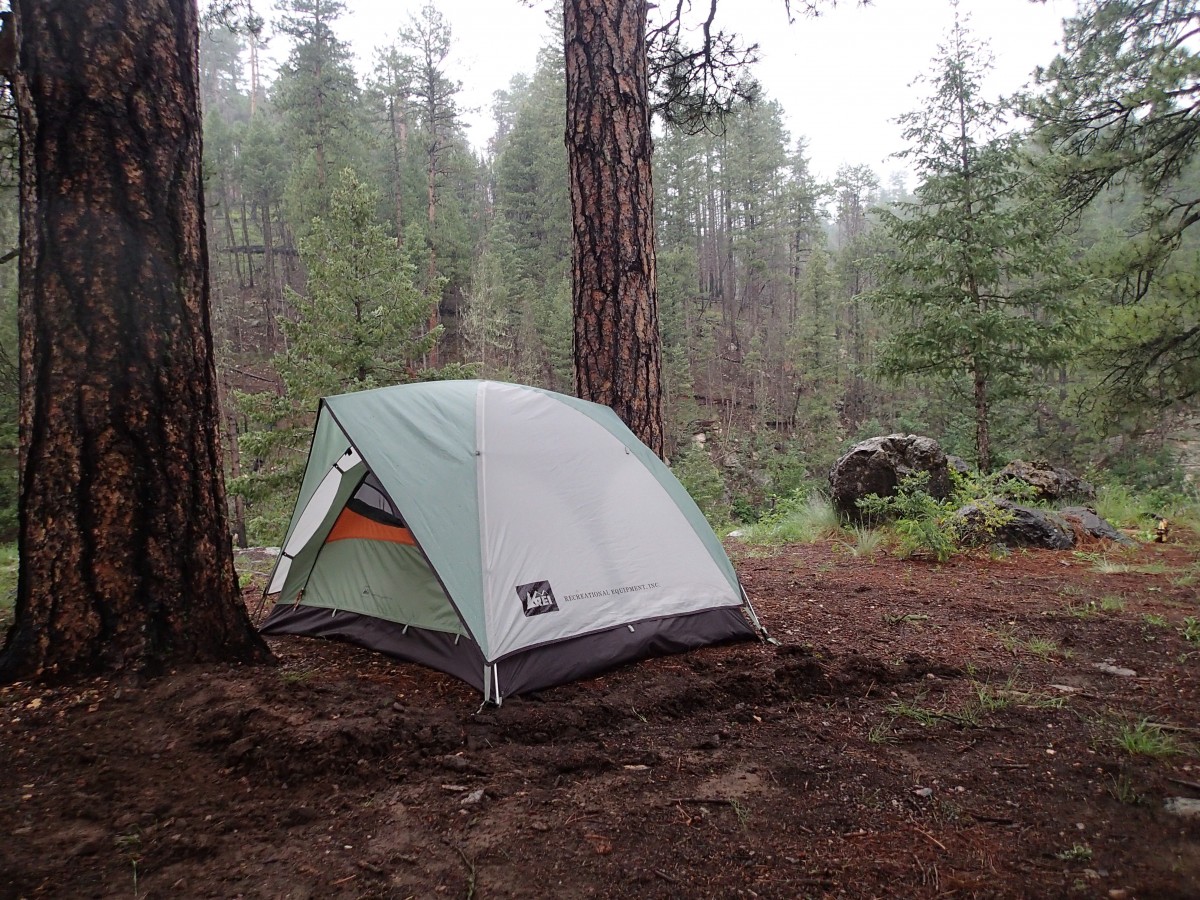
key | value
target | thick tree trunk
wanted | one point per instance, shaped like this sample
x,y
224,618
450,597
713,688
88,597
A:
x,y
618,355
126,562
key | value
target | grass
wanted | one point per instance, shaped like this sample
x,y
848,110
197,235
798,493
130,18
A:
x,y
1041,647
867,541
1144,738
1191,630
1112,603
904,710
1121,789
1155,621
1076,853
796,522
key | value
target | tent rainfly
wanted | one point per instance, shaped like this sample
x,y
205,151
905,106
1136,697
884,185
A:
x,y
513,537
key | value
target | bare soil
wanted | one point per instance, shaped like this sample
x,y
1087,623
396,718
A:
x,y
920,730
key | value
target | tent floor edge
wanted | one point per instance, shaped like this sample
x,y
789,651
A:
x,y
558,662
453,654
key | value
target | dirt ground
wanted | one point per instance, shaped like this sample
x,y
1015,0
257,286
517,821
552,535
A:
x,y
920,730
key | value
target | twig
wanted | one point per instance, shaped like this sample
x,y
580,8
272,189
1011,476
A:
x,y
251,375
701,800
926,834
665,877
1010,765
1192,784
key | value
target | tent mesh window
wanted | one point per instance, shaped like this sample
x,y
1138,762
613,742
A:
x,y
369,500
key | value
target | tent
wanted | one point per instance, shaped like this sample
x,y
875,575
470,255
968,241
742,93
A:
x,y
513,537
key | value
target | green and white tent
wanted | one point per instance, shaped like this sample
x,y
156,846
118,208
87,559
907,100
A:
x,y
513,537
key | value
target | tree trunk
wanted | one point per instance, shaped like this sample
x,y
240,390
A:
x,y
126,563
983,438
618,355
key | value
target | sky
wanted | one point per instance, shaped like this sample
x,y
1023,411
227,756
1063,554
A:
x,y
842,78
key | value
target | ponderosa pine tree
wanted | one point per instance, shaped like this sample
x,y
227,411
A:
x,y
427,41
618,350
977,279
317,87
1120,114
126,560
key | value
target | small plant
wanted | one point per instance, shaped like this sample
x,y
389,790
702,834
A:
x,y
1120,788
881,733
1112,603
867,541
1191,630
906,710
1008,639
743,814
1145,738
1075,853
1042,647
989,699
1154,620
924,524
1083,610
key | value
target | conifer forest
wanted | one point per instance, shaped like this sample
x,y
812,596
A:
x,y
1029,290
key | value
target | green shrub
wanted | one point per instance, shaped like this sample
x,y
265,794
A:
x,y
927,526
703,480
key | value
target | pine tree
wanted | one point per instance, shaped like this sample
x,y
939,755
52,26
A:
x,y
360,324
1120,119
977,283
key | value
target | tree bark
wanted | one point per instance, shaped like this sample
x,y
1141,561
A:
x,y
618,354
126,563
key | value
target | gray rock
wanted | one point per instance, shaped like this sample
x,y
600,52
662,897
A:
x,y
958,464
1118,671
1051,482
1088,522
1029,527
1187,807
878,464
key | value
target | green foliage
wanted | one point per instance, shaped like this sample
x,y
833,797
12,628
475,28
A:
x,y
1144,738
362,324
705,483
1116,118
927,526
9,561
977,279
800,519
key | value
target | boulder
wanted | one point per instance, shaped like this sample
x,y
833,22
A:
x,y
1051,482
878,464
958,464
1029,527
1089,523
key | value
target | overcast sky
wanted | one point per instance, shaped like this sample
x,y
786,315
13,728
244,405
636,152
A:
x,y
841,77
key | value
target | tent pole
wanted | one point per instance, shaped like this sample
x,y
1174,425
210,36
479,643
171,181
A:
x,y
763,635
